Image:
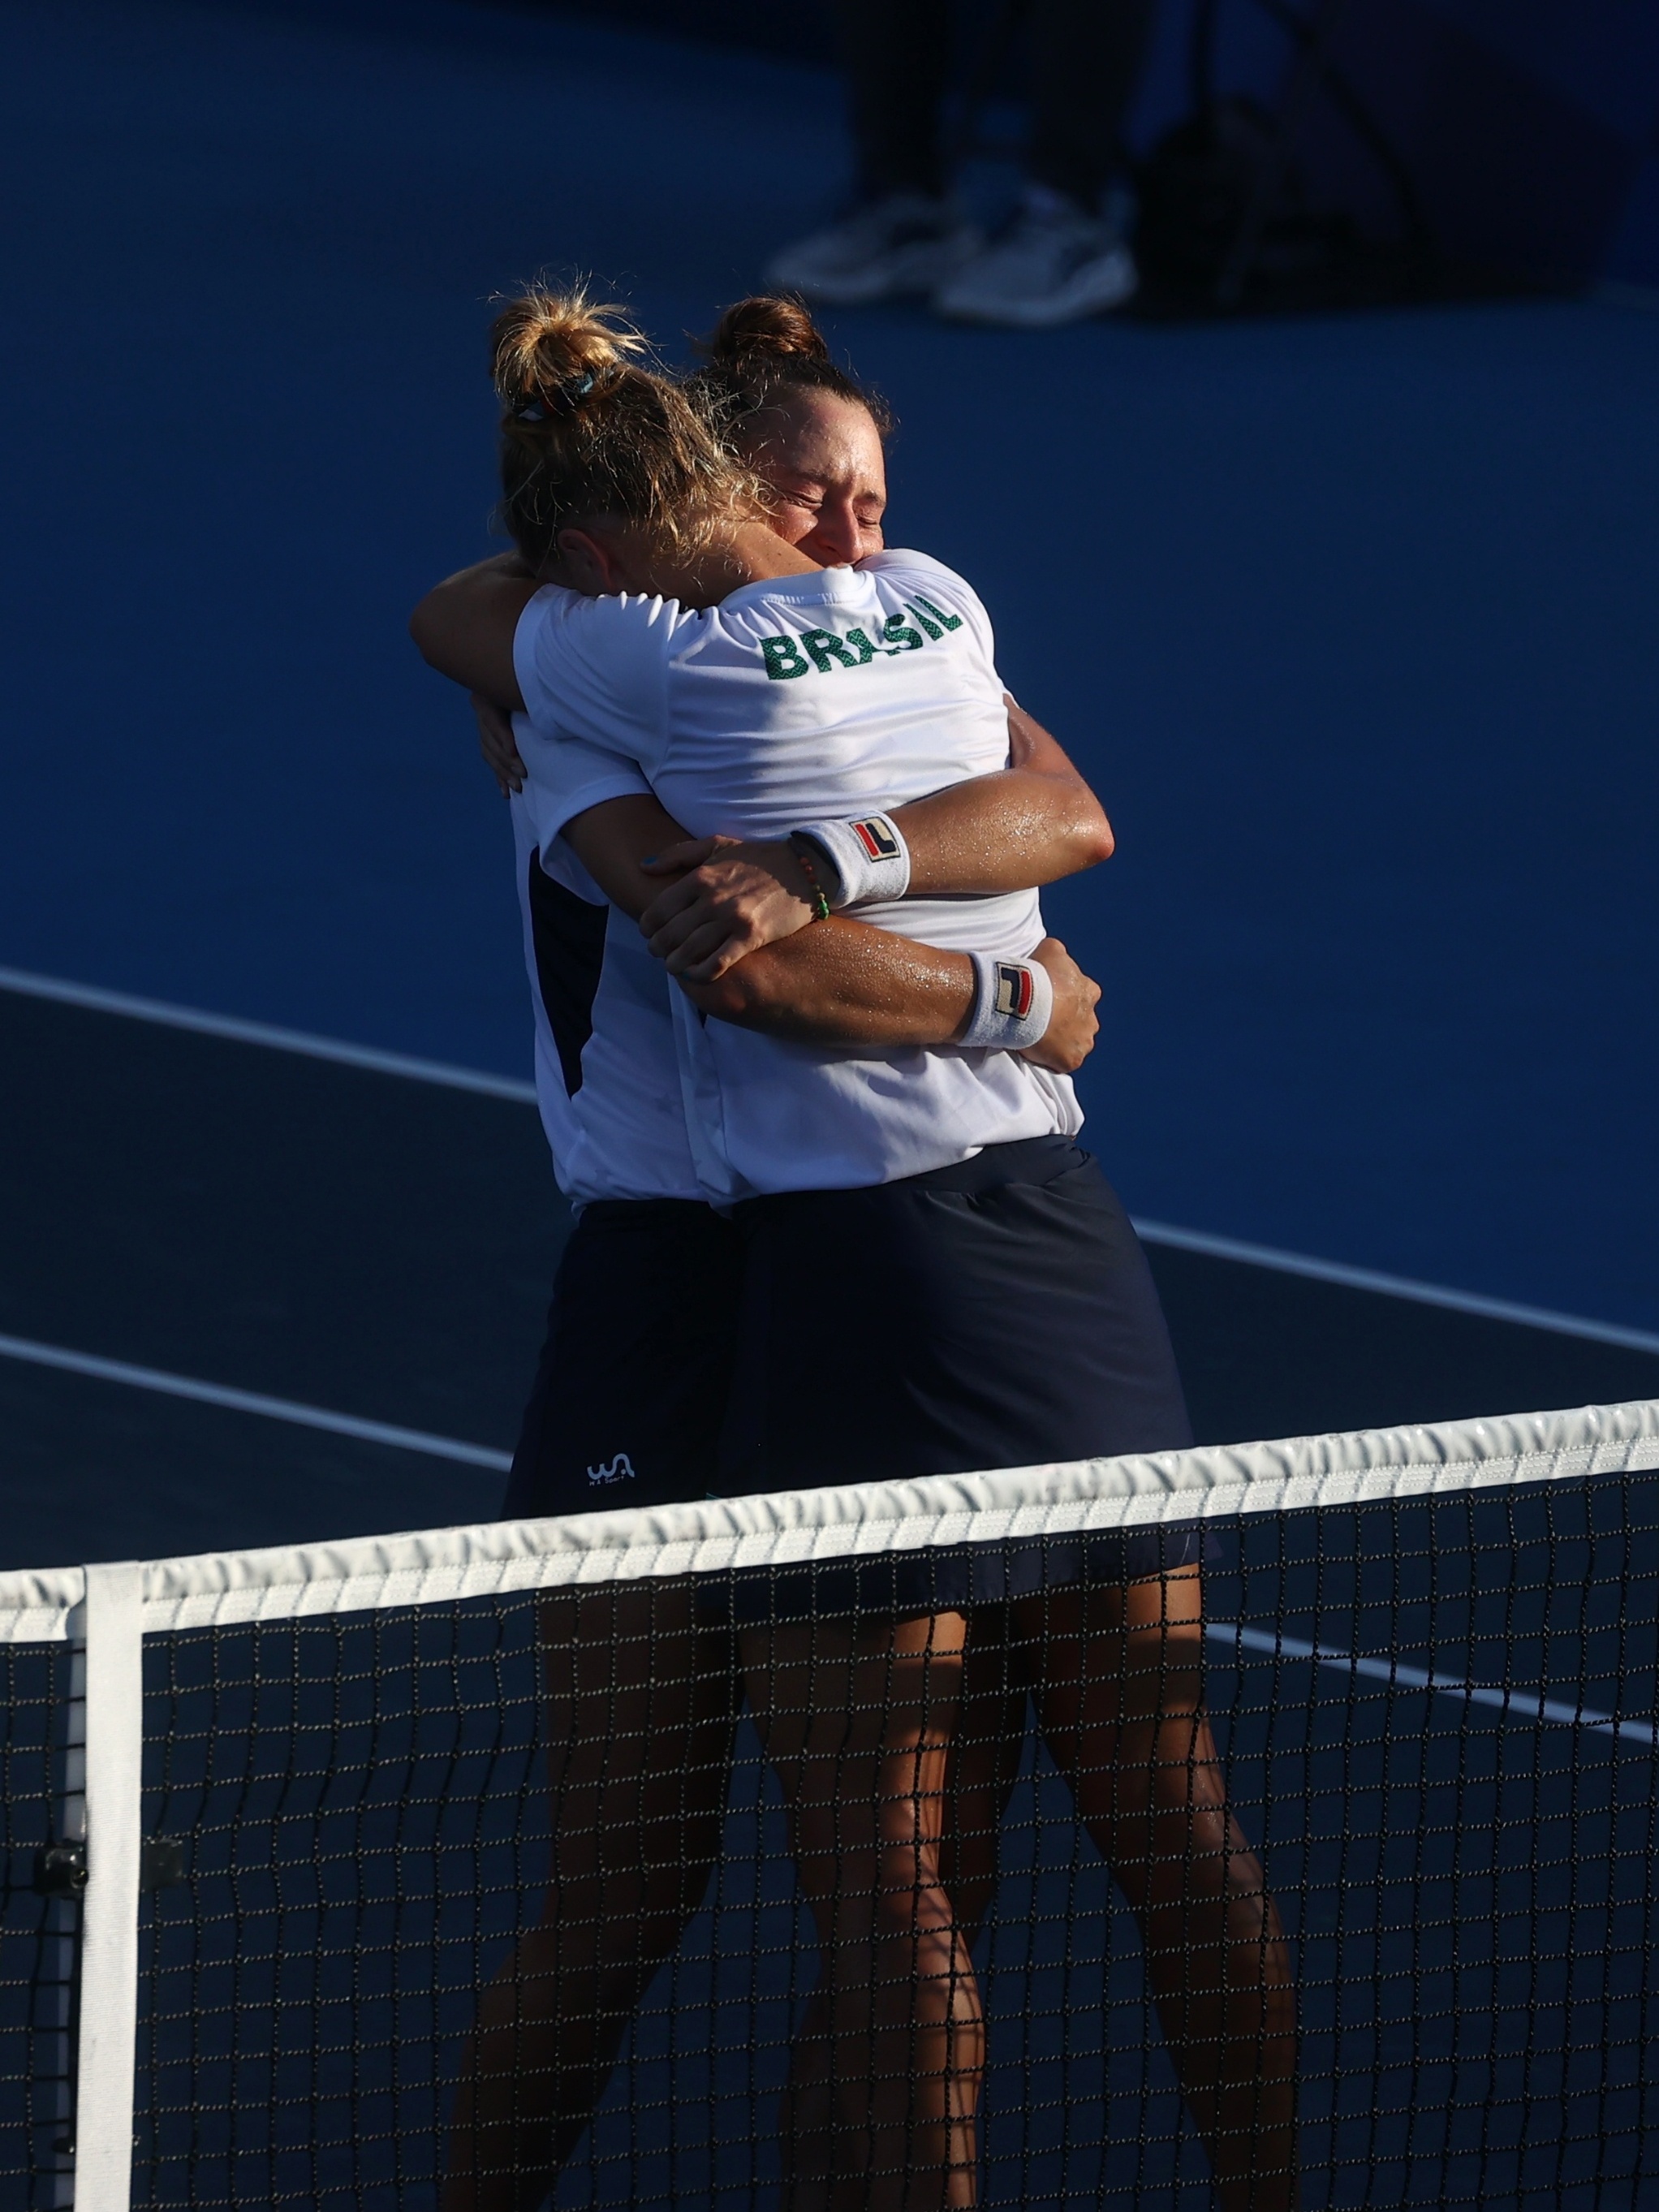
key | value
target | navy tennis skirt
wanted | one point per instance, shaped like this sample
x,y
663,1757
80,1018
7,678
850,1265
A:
x,y
999,1312
630,1394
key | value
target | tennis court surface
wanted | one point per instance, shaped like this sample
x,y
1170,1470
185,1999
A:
x,y
274,1821
260,1295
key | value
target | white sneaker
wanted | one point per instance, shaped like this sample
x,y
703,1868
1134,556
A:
x,y
892,248
1054,265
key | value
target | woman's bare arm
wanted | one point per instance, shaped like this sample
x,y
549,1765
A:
x,y
840,981
1031,823
464,626
1025,825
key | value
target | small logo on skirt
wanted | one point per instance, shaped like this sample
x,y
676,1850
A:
x,y
620,1469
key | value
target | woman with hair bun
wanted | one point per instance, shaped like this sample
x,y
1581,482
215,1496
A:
x,y
814,436
634,1378
666,648
812,432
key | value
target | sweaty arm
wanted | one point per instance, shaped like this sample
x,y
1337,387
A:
x,y
1028,825
1032,823
1025,825
840,981
847,983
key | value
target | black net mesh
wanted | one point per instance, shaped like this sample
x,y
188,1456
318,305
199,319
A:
x,y
37,1932
504,1890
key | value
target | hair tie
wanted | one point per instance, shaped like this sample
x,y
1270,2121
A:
x,y
537,406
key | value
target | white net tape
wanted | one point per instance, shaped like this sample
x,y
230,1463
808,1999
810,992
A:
x,y
212,1589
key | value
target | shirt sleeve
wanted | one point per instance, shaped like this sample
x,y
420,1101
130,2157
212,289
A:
x,y
598,669
564,777
555,854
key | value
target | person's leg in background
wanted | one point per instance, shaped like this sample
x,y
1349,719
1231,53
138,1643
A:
x,y
897,60
1064,257
1086,58
903,234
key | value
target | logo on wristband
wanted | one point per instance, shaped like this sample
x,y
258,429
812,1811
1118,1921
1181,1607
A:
x,y
876,839
1013,992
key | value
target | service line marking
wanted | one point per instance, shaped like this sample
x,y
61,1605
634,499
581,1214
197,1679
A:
x,y
1518,1704
250,1401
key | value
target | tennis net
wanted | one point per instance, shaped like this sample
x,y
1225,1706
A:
x,y
862,1846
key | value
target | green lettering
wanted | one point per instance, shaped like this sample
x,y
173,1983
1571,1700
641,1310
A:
x,y
932,629
827,650
900,636
783,658
866,650
951,621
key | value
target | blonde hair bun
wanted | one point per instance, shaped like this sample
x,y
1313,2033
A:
x,y
768,327
546,345
591,426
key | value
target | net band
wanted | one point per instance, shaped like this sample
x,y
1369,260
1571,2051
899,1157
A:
x,y
1220,1482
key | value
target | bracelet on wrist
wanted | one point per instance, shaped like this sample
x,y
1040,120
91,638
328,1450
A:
x,y
801,846
866,856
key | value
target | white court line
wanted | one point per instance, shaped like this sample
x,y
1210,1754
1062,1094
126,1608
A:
x,y
501,1086
1516,1703
239,1032
1395,1287
250,1401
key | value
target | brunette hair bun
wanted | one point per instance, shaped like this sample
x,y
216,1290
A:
x,y
761,351
768,327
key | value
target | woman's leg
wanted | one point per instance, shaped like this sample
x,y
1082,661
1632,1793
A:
x,y
982,1765
1118,1675
857,1721
642,1701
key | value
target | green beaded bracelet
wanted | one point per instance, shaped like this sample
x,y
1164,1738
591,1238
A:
x,y
800,847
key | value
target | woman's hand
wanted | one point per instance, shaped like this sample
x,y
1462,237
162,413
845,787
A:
x,y
1070,1037
731,898
495,742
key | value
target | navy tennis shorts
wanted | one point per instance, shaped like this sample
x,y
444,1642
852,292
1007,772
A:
x,y
995,1313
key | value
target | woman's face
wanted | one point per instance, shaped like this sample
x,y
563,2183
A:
x,y
823,458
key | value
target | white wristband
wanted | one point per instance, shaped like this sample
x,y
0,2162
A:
x,y
867,852
1012,1004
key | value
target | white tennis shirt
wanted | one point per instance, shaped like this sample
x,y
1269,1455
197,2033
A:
x,y
607,1067
801,697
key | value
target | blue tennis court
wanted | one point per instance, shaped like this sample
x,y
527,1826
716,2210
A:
x,y
1348,616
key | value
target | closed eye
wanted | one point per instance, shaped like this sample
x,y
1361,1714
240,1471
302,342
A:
x,y
788,483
